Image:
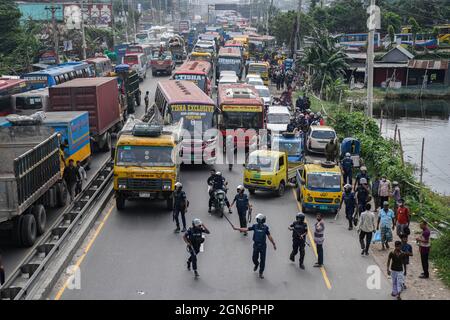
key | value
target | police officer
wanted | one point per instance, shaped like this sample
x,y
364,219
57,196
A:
x,y
179,206
242,206
260,232
347,168
193,238
210,183
299,231
348,197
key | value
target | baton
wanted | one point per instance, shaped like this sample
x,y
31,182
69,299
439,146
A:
x,y
249,213
229,221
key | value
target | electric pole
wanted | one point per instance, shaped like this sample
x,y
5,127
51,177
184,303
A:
x,y
126,21
372,25
53,10
297,31
83,35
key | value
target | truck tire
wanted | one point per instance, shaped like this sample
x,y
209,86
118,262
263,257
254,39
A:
x,y
16,234
28,230
41,218
281,189
169,203
154,73
61,195
120,202
251,191
138,100
107,142
169,73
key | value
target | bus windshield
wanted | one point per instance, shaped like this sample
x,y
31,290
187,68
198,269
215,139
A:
x,y
257,68
323,181
247,120
151,156
197,118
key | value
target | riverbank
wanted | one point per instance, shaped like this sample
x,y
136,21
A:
x,y
437,92
382,156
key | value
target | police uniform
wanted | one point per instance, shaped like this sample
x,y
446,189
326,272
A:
x,y
350,205
347,167
260,232
194,235
300,229
362,195
180,202
241,200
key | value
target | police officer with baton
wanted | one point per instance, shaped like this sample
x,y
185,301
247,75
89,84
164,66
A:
x,y
242,206
260,232
193,238
299,231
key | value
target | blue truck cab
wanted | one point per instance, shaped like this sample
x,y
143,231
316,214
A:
x,y
74,129
292,144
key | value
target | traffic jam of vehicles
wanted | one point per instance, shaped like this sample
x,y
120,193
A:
x,y
213,104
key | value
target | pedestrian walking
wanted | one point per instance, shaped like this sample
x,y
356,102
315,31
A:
x,y
402,219
396,194
147,100
319,231
299,230
349,198
71,178
396,268
347,168
384,189
194,239
424,248
375,188
242,206
260,233
366,227
408,251
180,204
386,223
82,176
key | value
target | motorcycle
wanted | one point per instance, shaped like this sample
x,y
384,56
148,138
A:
x,y
219,201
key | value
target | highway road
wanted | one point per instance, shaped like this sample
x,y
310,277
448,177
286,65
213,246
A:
x,y
134,254
11,254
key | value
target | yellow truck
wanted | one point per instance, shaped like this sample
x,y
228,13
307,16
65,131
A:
x,y
146,162
319,186
261,68
269,170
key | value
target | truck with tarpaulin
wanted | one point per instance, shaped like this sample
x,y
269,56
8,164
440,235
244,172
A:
x,y
128,84
31,180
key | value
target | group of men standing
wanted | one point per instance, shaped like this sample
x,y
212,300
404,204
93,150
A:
x,y
74,175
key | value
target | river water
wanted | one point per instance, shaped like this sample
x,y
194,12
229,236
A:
x,y
418,119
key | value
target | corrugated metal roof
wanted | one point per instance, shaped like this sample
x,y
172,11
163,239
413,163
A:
x,y
428,64
390,65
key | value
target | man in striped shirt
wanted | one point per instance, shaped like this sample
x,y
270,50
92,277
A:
x,y
319,230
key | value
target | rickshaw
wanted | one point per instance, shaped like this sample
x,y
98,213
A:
x,y
352,146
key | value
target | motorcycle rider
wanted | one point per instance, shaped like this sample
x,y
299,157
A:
x,y
299,230
193,238
218,183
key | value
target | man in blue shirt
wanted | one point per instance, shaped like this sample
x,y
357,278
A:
x,y
348,197
347,168
242,206
194,239
260,232
386,223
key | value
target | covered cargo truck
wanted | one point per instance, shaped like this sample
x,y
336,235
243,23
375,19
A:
x,y
98,96
30,180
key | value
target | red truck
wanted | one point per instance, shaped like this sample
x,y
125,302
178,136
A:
x,y
100,97
162,63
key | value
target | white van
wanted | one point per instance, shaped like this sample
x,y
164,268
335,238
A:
x,y
137,62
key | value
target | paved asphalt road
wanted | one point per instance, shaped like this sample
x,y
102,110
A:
x,y
136,255
12,255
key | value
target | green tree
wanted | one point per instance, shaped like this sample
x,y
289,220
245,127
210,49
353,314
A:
x,y
9,26
415,29
389,18
391,33
327,62
347,16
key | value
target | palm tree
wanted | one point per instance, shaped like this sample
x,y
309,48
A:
x,y
326,60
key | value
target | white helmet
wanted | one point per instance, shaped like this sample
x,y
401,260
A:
x,y
260,218
178,185
348,186
218,173
348,155
240,187
363,168
196,222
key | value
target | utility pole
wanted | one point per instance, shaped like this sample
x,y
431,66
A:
x,y
83,35
53,10
126,21
373,23
297,31
251,12
112,24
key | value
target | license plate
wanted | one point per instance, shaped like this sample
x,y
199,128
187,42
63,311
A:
x,y
144,194
322,207
257,176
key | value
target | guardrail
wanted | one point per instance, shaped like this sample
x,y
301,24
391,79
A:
x,y
24,277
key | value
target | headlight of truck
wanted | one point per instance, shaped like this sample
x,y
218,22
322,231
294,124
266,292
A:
x,y
337,200
310,199
122,184
167,185
269,182
247,179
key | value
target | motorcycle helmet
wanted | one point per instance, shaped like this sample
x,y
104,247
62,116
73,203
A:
x,y
347,187
348,155
260,218
240,187
300,217
219,173
196,222
178,185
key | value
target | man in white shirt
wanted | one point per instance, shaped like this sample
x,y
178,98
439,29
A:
x,y
82,176
366,227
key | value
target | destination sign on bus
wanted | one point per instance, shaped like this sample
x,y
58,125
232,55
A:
x,y
192,108
189,77
242,108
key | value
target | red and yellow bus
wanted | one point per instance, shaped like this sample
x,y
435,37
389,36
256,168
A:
x,y
199,72
183,99
240,107
141,48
